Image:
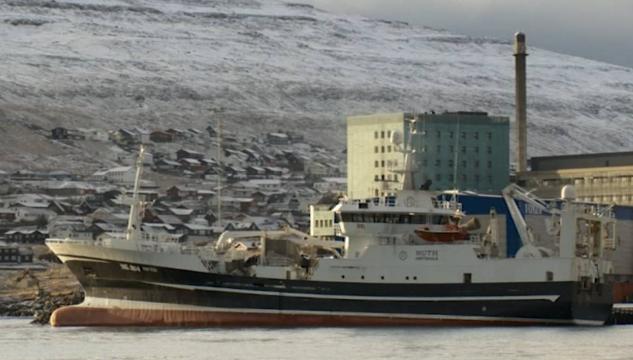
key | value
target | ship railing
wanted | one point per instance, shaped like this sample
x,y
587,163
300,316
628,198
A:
x,y
605,211
449,205
388,201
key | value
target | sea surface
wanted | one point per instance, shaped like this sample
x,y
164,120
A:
x,y
21,340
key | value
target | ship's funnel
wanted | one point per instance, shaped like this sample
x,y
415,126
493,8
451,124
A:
x,y
520,55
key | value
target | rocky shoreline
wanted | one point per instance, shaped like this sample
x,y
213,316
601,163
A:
x,y
37,292
41,307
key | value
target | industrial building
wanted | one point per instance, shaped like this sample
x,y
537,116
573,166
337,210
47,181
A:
x,y
453,150
601,178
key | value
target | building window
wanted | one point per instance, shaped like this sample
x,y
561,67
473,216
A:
x,y
489,135
489,149
424,162
450,135
376,149
450,163
375,134
439,149
438,162
451,149
376,163
463,135
395,177
463,149
395,163
382,134
382,149
438,177
382,177
389,134
451,178
476,134
439,134
389,148
489,164
382,163
464,163
464,177
476,164
476,149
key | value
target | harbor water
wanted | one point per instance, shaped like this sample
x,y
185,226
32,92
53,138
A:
x,y
21,340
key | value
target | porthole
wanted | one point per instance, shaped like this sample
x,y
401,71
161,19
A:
x,y
362,277
415,278
382,278
407,278
342,276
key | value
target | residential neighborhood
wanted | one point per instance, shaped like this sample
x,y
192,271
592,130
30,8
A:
x,y
264,182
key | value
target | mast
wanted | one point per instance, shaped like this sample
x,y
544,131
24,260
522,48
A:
x,y
220,170
134,220
408,182
456,155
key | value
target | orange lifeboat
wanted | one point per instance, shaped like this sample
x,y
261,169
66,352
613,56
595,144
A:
x,y
449,233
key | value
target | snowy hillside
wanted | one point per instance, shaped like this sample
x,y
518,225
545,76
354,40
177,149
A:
x,y
269,64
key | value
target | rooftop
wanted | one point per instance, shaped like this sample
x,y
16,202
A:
x,y
579,161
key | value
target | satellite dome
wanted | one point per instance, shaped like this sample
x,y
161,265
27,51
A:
x,y
396,138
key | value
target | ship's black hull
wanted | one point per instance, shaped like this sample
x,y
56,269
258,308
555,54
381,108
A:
x,y
147,295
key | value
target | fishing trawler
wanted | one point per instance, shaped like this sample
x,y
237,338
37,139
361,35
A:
x,y
385,273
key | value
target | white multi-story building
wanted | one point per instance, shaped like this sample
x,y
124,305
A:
x,y
322,222
119,175
371,157
452,150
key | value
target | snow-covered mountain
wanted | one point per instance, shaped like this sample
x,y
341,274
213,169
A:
x,y
266,64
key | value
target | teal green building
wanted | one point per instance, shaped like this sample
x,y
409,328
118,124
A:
x,y
460,150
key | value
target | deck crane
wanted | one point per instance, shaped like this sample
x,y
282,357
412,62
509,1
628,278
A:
x,y
514,192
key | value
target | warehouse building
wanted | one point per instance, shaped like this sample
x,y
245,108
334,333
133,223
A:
x,y
605,178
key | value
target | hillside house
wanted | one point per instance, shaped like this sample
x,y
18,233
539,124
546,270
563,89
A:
x,y
255,172
177,133
274,172
59,133
165,165
193,165
180,192
26,235
277,138
331,184
7,215
125,137
188,154
94,134
159,136
14,254
118,175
